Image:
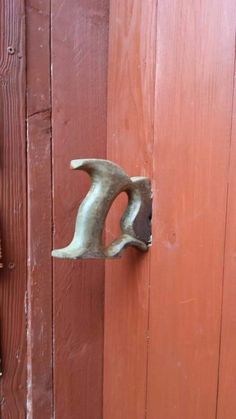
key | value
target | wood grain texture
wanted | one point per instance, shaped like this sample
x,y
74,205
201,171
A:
x,y
129,143
13,208
227,376
39,309
79,98
195,56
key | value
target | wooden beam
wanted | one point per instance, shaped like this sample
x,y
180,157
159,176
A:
x,y
39,307
227,371
13,208
79,90
131,87
194,85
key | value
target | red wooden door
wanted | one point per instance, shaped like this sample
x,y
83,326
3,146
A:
x,y
170,106
149,85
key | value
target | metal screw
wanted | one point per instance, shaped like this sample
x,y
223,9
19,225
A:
x,y
11,50
11,265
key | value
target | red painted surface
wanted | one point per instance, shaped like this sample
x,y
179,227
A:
x,y
193,112
149,336
130,144
79,109
39,194
13,278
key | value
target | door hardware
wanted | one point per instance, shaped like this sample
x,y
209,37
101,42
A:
x,y
108,181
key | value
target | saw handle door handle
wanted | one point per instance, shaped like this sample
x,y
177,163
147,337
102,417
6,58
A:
x,y
108,181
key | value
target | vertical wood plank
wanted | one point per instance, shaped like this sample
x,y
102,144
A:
x,y
195,56
79,90
227,376
130,139
39,333
13,208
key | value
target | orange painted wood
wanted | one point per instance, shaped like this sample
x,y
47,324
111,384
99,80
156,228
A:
x,y
227,377
39,308
79,98
13,209
194,79
130,138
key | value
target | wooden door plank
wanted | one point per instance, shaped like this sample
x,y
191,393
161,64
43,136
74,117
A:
x,y
227,376
79,98
13,208
130,139
39,308
195,56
